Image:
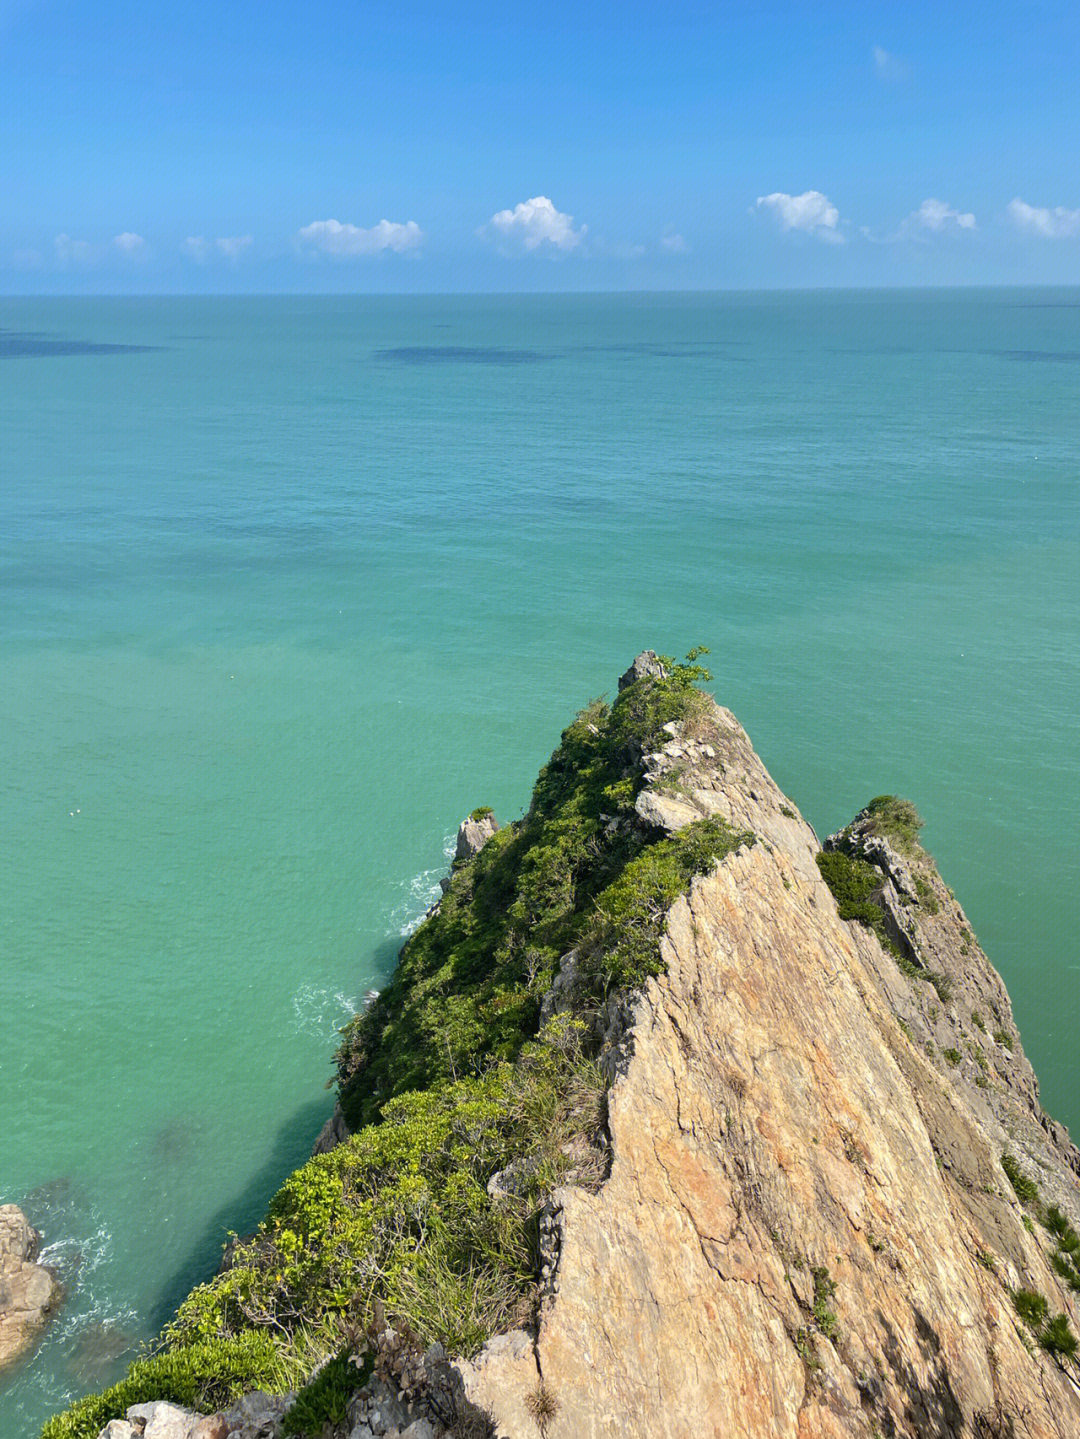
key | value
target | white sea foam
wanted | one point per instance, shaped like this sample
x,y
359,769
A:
x,y
420,893
321,1011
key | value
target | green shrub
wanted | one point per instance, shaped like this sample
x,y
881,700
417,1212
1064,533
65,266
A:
x,y
206,1374
896,819
468,986
482,811
1027,1191
325,1398
1003,1038
1031,1307
824,1289
1057,1338
852,881
952,1055
927,898
943,985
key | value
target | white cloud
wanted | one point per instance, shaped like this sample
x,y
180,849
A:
x,y
1055,224
889,67
536,222
811,212
196,248
233,246
936,215
330,237
26,259
939,218
128,243
673,243
72,252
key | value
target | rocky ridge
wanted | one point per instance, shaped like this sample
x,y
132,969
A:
x,y
806,1227
806,1230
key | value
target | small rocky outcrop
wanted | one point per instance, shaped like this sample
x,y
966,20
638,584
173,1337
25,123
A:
x,y
474,832
647,664
29,1292
255,1416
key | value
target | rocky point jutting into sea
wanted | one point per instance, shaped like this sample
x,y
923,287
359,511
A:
x,y
671,1122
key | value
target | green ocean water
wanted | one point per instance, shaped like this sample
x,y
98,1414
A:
x,y
289,585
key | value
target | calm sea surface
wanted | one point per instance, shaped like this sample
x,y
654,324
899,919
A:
x,y
289,585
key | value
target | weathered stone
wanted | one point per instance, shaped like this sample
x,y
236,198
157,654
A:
x,y
120,1429
258,1414
29,1292
162,1420
334,1132
646,663
212,1426
473,834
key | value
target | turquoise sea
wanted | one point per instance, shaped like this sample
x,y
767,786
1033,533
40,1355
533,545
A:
x,y
289,585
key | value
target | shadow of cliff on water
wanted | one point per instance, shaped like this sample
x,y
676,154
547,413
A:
x,y
242,1212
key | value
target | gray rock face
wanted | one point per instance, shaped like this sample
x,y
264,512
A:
x,y
646,663
28,1291
333,1132
473,834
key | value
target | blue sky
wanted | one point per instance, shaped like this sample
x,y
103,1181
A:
x,y
422,145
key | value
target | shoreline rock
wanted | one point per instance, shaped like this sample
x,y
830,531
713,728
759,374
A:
x,y
29,1291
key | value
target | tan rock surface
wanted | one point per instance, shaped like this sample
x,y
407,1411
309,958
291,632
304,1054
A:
x,y
28,1291
775,1132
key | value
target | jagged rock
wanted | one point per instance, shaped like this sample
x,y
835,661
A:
x,y
119,1429
333,1132
775,1132
561,994
646,663
29,1292
473,834
258,1415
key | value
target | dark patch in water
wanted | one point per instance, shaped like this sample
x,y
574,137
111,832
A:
x,y
1053,357
459,355
673,350
20,344
93,1356
173,1142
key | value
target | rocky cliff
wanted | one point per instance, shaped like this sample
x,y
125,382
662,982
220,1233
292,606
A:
x,y
807,1229
748,1147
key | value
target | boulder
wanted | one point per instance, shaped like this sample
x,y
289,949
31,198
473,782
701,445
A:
x,y
161,1420
29,1292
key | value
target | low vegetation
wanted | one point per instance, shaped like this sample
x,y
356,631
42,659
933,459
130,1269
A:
x,y
895,819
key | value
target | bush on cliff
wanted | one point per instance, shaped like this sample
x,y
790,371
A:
x,y
469,983
896,819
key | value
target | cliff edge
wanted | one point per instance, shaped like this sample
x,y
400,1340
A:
x,y
807,1229
671,1122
